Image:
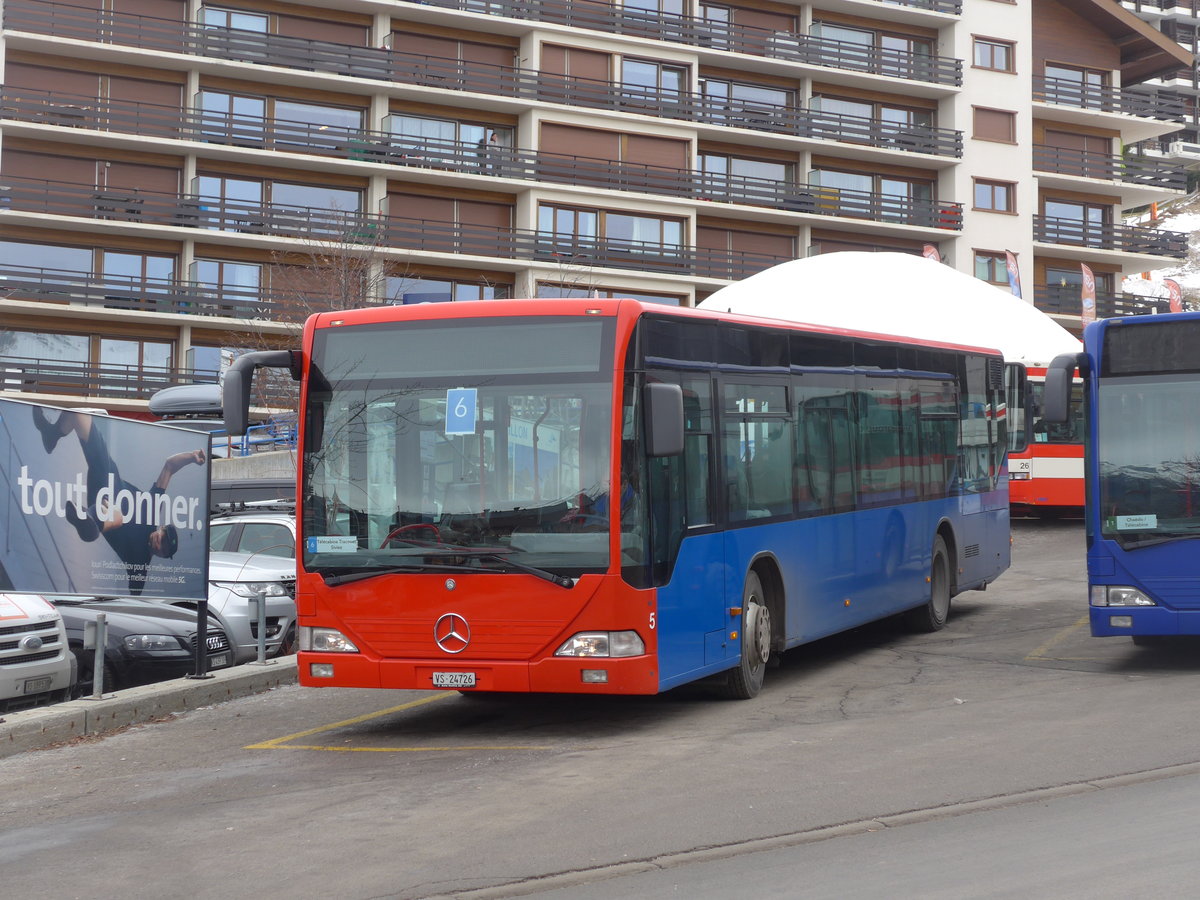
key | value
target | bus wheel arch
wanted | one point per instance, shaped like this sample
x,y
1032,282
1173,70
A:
x,y
762,629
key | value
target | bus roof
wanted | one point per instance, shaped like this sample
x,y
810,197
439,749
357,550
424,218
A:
x,y
611,307
899,294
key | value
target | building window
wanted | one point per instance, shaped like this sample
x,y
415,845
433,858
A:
x,y
409,289
876,110
1075,86
885,198
995,55
217,17
723,171
995,125
235,285
991,266
995,196
634,232
642,78
447,140
546,290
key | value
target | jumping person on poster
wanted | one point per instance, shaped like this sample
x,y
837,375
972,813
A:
x,y
136,543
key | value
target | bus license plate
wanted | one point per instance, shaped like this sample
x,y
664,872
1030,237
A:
x,y
38,685
454,679
220,661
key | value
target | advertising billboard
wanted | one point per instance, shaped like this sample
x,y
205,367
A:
x,y
101,506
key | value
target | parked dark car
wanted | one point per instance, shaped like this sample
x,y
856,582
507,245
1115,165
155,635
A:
x,y
147,641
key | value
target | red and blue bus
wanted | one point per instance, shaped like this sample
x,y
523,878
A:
x,y
1141,379
612,496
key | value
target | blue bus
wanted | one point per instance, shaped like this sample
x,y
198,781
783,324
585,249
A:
x,y
611,496
1141,377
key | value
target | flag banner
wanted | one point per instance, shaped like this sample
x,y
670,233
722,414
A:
x,y
1014,274
1087,295
1175,293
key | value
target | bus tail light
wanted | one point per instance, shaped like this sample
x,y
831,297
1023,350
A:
x,y
325,640
1118,595
603,643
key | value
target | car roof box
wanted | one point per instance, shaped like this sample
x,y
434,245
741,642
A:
x,y
226,494
187,400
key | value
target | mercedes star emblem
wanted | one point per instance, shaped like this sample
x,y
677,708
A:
x,y
452,633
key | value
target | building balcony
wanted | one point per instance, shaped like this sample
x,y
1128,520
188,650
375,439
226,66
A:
x,y
1107,236
1141,115
83,379
698,32
1142,171
384,147
386,232
1065,300
455,75
132,386
179,297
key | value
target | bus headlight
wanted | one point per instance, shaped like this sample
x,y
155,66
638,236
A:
x,y
603,643
1118,595
325,640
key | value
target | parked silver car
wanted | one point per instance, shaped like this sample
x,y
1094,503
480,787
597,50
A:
x,y
235,580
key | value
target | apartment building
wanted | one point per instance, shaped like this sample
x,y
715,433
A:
x,y
181,178
1178,20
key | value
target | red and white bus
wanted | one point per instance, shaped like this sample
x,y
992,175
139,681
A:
x,y
1046,478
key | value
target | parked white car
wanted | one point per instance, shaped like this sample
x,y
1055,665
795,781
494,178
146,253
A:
x,y
235,580
36,664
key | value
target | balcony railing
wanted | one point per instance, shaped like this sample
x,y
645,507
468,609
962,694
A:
x,y
80,379
177,296
1065,300
189,211
1106,236
1139,170
456,75
1097,98
783,45
459,156
73,378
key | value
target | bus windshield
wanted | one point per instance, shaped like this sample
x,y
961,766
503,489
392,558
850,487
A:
x,y
453,445
1149,428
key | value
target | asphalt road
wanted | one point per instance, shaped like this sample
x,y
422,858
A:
x,y
303,792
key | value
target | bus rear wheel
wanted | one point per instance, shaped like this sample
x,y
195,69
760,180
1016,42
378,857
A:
x,y
745,680
932,615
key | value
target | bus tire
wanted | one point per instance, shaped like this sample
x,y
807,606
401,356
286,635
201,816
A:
x,y
932,614
745,680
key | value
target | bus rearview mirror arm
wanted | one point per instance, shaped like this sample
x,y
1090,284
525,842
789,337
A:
x,y
235,389
1056,401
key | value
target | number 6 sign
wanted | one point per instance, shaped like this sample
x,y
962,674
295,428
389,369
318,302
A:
x,y
461,406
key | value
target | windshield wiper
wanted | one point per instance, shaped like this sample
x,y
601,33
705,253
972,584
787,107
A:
x,y
493,556
1157,537
560,580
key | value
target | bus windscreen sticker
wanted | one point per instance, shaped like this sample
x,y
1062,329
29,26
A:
x,y
461,406
332,543
1136,523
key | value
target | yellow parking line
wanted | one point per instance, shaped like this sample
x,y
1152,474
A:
x,y
1040,652
393,749
275,742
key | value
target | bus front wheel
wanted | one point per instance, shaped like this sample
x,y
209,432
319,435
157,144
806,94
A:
x,y
933,613
745,680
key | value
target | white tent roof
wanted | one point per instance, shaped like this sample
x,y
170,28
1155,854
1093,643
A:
x,y
900,294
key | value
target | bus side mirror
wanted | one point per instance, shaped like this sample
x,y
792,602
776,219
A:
x,y
235,389
663,415
1018,404
1056,401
